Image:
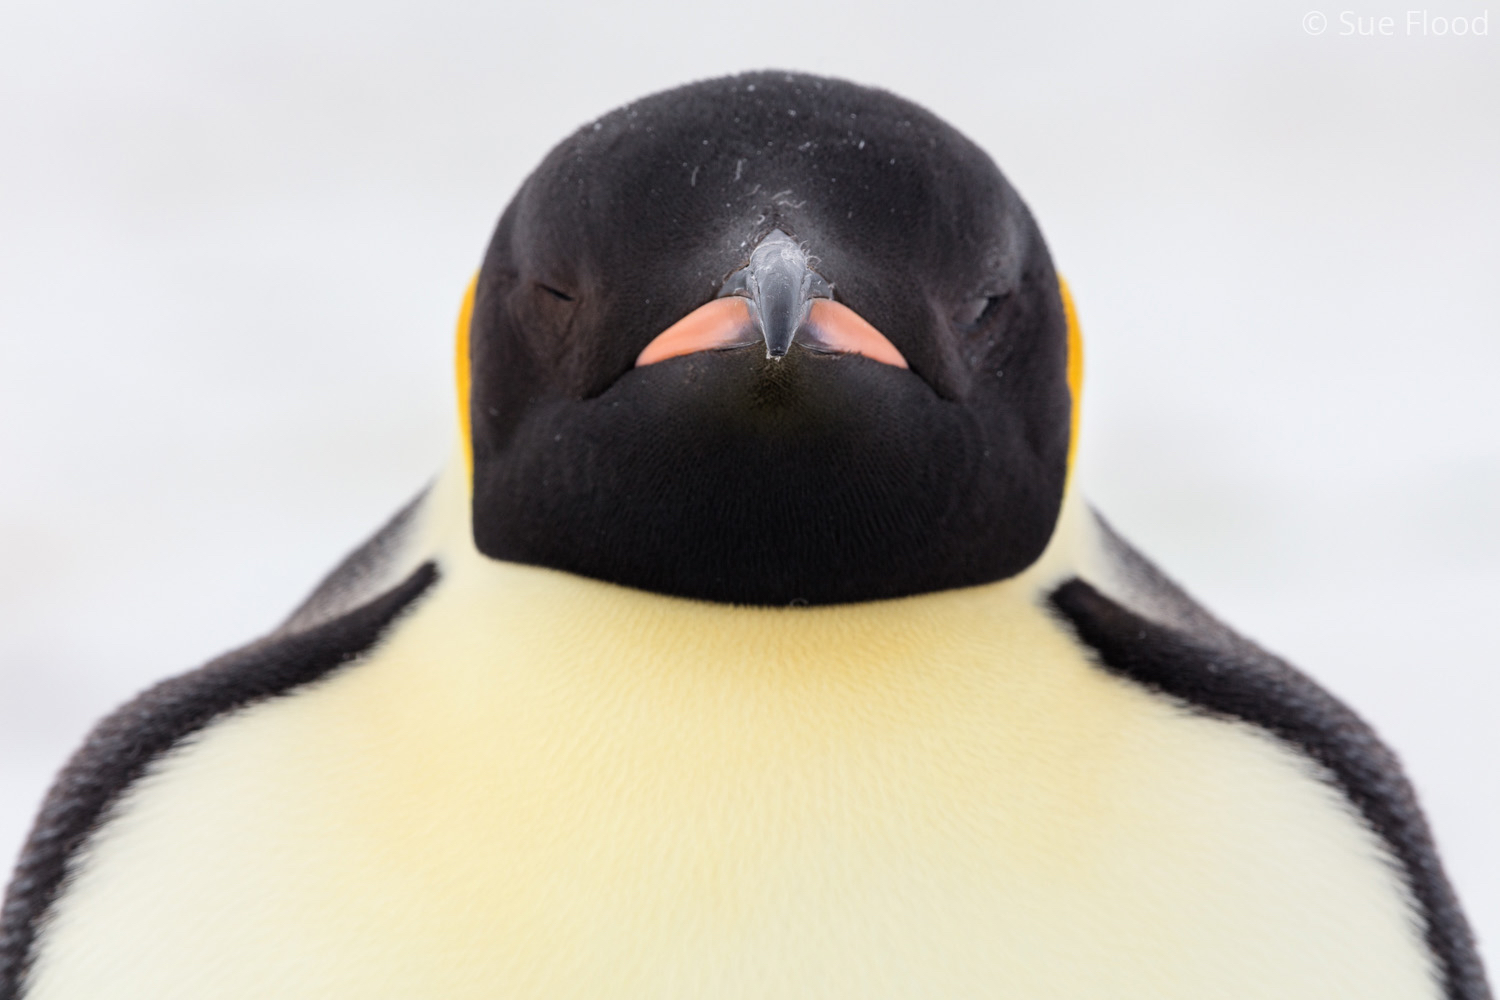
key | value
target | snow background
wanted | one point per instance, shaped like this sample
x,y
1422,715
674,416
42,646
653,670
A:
x,y
233,238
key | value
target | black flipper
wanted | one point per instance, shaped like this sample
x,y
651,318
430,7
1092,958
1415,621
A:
x,y
363,574
1181,651
123,747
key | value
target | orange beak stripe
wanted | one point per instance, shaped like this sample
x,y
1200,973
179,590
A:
x,y
713,326
835,327
724,323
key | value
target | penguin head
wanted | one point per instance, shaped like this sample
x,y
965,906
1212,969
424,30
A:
x,y
769,339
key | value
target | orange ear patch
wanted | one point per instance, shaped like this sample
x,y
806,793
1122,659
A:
x,y
461,370
1075,365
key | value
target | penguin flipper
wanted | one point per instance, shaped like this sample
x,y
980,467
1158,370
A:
x,y
1152,633
376,565
122,748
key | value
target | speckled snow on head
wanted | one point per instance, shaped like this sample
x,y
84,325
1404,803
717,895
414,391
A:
x,y
730,476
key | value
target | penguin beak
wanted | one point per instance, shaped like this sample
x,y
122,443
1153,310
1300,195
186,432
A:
x,y
779,283
774,299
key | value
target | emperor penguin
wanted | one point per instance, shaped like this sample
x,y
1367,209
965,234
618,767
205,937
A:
x,y
757,642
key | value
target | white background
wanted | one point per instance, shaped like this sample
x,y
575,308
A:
x,y
233,237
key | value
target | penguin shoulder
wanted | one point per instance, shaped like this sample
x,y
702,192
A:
x,y
1140,625
123,748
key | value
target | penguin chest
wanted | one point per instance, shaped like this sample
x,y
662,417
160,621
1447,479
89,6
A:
x,y
542,787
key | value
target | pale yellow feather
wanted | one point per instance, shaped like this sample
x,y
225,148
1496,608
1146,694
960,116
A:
x,y
541,786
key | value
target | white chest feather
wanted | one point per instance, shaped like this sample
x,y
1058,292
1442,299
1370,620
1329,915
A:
x,y
542,787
